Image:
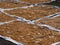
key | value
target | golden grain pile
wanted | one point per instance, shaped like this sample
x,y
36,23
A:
x,y
27,33
35,1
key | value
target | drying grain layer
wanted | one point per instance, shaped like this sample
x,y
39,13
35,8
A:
x,y
4,18
11,5
34,12
35,1
55,22
29,34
